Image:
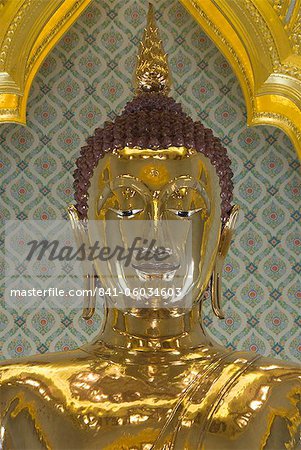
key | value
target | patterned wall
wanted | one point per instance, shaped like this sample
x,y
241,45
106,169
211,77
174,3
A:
x,y
86,79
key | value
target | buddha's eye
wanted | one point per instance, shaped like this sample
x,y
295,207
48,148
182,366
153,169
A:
x,y
127,213
185,214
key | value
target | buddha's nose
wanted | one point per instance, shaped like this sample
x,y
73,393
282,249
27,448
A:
x,y
155,208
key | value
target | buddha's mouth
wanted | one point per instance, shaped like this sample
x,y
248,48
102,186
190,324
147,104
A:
x,y
153,271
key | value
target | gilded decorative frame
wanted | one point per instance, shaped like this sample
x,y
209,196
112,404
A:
x,y
261,39
29,29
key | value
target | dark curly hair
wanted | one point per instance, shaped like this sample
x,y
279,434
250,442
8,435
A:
x,y
153,121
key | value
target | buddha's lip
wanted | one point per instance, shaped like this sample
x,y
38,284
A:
x,y
155,269
149,253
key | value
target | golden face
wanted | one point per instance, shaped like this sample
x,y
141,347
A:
x,y
172,196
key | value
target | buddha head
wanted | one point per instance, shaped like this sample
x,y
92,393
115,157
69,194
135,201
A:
x,y
155,173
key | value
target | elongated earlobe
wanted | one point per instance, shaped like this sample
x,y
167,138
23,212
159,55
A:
x,y
216,279
216,291
90,296
90,277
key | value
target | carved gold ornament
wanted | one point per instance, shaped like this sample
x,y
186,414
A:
x,y
261,39
152,72
29,29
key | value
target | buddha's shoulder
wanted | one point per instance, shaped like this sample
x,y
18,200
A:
x,y
261,400
275,366
261,378
47,365
268,368
279,376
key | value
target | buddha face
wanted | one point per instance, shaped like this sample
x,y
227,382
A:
x,y
169,203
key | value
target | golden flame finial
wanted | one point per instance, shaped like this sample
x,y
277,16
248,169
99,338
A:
x,y
152,73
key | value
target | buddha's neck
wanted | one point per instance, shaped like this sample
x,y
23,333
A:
x,y
147,329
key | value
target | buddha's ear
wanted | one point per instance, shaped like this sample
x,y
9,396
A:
x,y
223,247
82,239
76,223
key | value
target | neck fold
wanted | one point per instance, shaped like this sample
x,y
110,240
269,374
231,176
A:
x,y
149,329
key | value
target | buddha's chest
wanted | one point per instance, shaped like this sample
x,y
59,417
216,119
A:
x,y
181,422
118,409
115,411
123,420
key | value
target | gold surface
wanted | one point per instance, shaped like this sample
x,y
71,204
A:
x,y
157,189
223,248
145,153
131,390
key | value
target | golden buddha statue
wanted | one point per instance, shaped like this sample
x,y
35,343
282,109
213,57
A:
x,y
153,379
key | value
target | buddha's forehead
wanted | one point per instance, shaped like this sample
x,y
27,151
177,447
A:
x,y
156,169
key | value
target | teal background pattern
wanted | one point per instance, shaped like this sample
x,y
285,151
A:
x,y
86,79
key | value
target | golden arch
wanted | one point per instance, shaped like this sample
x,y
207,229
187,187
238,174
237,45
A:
x,y
261,39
